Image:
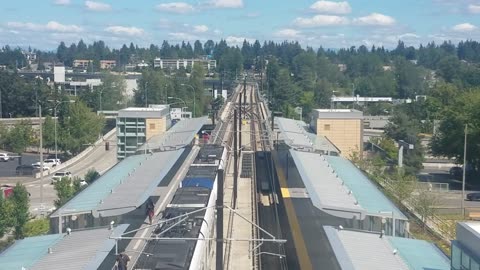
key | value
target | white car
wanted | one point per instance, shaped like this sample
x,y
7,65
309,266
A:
x,y
49,162
37,166
5,157
59,175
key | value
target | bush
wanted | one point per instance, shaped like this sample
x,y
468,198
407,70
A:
x,y
37,227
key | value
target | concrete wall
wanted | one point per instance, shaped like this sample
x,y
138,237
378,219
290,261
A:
x,y
155,127
345,134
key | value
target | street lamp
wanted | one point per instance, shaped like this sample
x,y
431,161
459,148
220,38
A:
x,y
393,220
193,90
184,103
55,122
464,170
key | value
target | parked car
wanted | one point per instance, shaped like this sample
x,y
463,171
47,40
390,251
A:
x,y
49,162
83,183
456,172
38,166
5,157
26,170
59,175
473,196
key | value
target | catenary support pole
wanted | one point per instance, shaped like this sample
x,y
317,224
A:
x,y
235,159
219,252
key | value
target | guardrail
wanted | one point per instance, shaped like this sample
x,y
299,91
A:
x,y
80,156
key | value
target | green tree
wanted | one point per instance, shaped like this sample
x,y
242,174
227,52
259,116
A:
x,y
37,227
21,214
91,176
403,127
20,137
49,133
424,204
65,189
80,127
403,186
196,81
6,215
113,92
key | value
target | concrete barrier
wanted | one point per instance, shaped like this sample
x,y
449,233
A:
x,y
80,156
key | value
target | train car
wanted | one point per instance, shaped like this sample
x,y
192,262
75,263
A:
x,y
197,193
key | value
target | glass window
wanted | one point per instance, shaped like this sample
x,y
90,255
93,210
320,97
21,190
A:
x,y
474,265
465,260
152,126
456,257
326,127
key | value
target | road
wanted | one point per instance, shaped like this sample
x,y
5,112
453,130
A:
x,y
99,159
452,198
7,169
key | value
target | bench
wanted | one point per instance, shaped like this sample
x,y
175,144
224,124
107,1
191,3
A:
x,y
474,215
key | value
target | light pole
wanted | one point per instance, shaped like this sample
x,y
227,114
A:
x,y
464,169
100,94
393,220
146,94
193,90
55,122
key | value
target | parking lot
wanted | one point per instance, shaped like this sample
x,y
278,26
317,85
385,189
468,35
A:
x,y
7,169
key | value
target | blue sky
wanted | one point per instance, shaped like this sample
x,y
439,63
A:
x,y
331,24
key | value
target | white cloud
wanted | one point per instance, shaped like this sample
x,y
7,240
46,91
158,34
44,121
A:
x,y
287,33
226,3
200,28
233,40
176,7
217,32
375,19
51,26
475,9
62,2
58,27
331,7
97,6
464,27
124,30
181,36
320,20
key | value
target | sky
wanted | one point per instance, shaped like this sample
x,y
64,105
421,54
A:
x,y
42,24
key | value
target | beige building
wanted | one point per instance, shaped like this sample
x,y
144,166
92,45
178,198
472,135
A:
x,y
136,125
343,127
81,63
107,64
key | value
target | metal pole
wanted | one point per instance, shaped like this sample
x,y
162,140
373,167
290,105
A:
x,y
219,253
464,170
393,224
55,123
41,154
235,159
240,123
101,100
1,109
400,156
146,95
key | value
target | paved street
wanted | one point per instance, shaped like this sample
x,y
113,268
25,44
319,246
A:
x,y
7,169
99,159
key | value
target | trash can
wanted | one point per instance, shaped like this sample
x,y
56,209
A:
x,y
107,146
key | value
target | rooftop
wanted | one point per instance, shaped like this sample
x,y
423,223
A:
x,y
327,191
337,114
88,248
297,134
369,251
367,194
158,111
179,135
474,226
124,187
